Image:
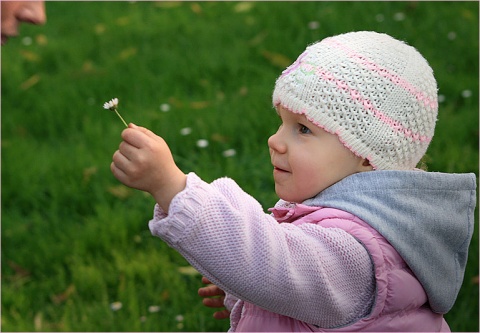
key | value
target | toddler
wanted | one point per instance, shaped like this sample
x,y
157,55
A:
x,y
360,240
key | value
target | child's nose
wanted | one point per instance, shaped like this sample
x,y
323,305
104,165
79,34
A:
x,y
276,143
33,12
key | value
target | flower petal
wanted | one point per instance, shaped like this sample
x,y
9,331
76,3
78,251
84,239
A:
x,y
112,104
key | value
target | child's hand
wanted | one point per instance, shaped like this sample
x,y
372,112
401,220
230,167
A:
x,y
144,161
213,298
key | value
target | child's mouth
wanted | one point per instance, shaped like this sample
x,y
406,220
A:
x,y
279,169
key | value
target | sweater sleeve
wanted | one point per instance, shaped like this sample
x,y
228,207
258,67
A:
x,y
229,301
317,275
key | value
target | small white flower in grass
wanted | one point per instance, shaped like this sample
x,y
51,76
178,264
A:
x,y
452,35
165,107
466,93
399,16
380,17
185,131
153,308
313,25
112,106
179,318
441,98
229,153
115,306
27,41
202,143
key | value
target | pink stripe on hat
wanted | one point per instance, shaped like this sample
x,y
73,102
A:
x,y
385,72
365,103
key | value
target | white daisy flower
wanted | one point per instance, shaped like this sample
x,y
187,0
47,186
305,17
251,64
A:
x,y
452,35
153,308
466,93
27,41
179,317
229,153
202,143
399,16
165,107
380,17
313,25
185,131
112,104
115,306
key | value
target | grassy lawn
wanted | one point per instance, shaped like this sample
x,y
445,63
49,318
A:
x,y
77,254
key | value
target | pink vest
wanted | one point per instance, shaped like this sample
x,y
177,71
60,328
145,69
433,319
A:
x,y
400,303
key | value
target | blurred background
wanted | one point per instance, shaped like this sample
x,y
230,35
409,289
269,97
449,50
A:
x,y
77,254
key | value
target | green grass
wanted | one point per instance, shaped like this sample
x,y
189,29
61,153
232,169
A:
x,y
74,240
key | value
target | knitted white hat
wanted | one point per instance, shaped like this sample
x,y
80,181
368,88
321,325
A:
x,y
376,93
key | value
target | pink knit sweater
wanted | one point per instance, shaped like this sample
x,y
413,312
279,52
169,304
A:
x,y
319,276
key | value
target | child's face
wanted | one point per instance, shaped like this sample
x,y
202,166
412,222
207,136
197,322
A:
x,y
307,159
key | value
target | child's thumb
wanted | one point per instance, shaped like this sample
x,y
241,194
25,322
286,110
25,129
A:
x,y
143,129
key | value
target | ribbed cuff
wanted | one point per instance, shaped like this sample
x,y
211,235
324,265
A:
x,y
182,211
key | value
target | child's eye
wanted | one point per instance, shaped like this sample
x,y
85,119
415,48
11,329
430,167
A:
x,y
304,129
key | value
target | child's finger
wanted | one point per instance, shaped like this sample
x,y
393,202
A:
x,y
224,314
127,150
118,173
213,302
134,137
120,161
210,291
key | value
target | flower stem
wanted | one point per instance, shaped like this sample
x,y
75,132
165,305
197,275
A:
x,y
119,116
